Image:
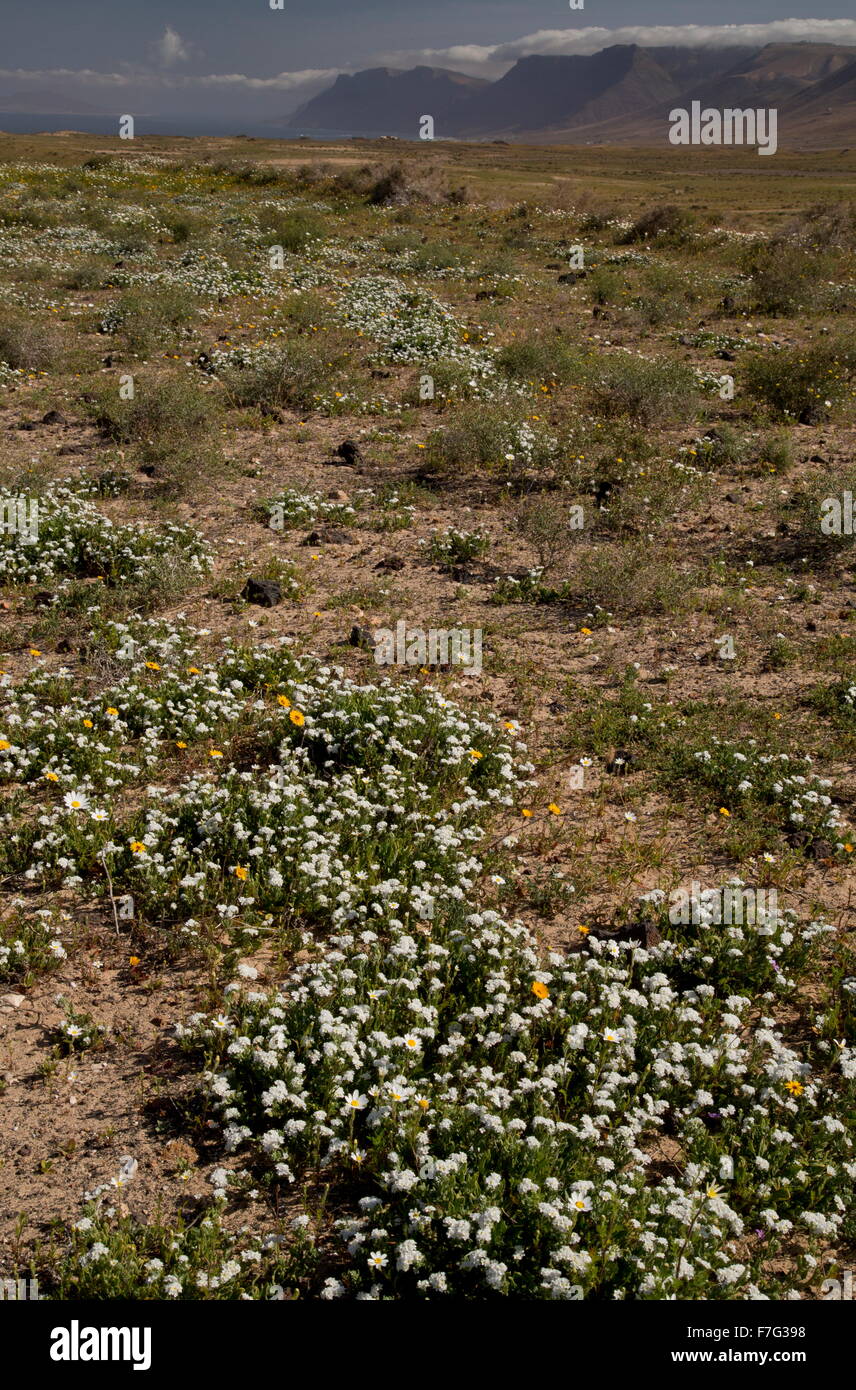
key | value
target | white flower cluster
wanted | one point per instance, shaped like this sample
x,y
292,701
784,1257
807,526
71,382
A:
x,y
74,538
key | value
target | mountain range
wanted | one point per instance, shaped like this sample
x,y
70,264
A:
x,y
621,95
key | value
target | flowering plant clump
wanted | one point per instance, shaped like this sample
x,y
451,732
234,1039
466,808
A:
x,y
30,943
112,1256
76,539
455,547
409,324
330,757
526,588
498,1112
291,507
781,782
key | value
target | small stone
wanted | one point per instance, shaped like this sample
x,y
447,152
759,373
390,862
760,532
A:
x,y
264,592
361,637
348,452
328,535
8,1002
54,417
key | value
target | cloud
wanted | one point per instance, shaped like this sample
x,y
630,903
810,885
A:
x,y
171,48
145,85
494,59
282,82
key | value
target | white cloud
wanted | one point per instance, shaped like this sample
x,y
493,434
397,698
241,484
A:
x,y
494,59
171,48
480,60
283,82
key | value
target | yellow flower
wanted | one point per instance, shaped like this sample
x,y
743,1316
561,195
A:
x,y
849,849
113,713
4,744
795,1087
242,873
540,991
51,776
585,631
297,718
475,755
557,810
194,671
87,724
133,960
284,701
214,753
137,847
526,812
180,744
584,930
152,666
34,651
713,1191
723,811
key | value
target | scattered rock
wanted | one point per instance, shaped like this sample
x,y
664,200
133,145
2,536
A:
x,y
361,637
328,535
390,563
337,495
72,449
349,453
10,1002
264,592
54,417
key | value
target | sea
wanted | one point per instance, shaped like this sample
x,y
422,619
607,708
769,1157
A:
x,y
31,123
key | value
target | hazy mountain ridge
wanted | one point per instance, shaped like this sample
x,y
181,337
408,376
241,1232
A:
x,y
620,95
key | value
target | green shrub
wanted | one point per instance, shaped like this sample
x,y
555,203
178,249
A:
x,y
293,231
172,424
784,278
150,319
803,385
292,374
28,345
648,391
665,222
539,360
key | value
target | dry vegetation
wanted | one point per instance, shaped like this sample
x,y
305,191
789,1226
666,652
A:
x,y
457,883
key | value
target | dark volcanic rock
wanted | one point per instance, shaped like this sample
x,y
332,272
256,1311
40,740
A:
x,y
328,535
264,592
348,452
361,637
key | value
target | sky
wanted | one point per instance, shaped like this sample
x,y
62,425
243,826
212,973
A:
x,y
233,56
